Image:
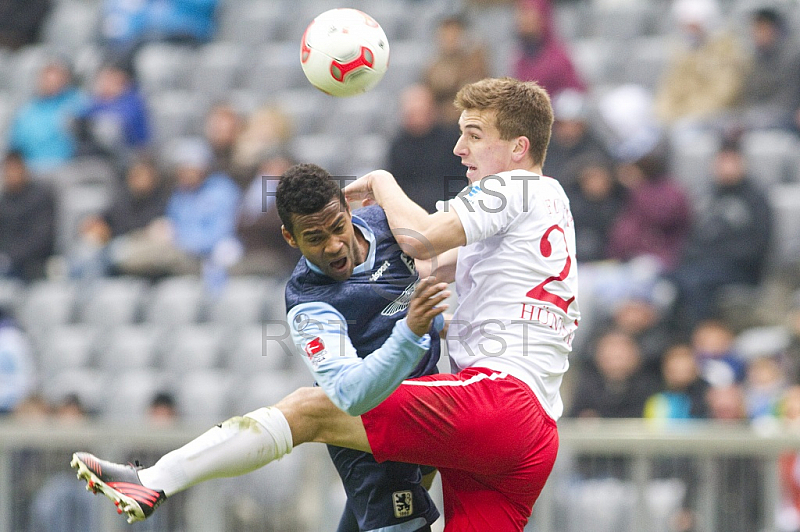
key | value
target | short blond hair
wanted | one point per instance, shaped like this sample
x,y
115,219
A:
x,y
522,109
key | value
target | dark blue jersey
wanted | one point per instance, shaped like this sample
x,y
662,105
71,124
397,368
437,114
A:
x,y
371,300
387,496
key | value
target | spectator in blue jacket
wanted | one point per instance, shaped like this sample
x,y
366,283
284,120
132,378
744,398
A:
x,y
127,25
115,121
43,129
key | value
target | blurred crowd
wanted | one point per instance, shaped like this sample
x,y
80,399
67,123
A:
x,y
689,297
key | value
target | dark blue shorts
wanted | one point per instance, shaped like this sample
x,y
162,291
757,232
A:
x,y
388,497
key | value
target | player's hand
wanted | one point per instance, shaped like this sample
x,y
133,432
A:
x,y
362,189
425,305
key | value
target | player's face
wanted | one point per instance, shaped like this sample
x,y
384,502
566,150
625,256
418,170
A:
x,y
328,240
480,147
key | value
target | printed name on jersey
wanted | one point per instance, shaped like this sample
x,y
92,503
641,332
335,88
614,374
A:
x,y
403,502
401,302
315,351
379,272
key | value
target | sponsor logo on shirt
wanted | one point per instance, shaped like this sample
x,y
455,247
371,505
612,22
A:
x,y
403,502
301,321
400,303
315,351
409,262
379,273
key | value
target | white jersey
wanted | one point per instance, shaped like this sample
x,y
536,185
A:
x,y
516,281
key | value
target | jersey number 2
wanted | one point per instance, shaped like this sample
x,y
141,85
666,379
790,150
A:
x,y
538,291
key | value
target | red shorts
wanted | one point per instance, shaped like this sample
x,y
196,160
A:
x,y
485,431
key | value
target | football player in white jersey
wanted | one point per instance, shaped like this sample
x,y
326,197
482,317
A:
x,y
490,428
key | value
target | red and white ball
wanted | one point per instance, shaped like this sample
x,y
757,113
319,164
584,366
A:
x,y
344,52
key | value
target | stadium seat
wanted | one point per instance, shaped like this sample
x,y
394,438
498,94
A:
x,y
128,394
162,66
646,62
67,346
267,388
785,201
47,304
361,116
7,109
405,66
691,162
217,70
71,24
275,304
90,385
368,152
27,63
113,301
275,66
192,347
6,70
241,301
204,395
622,20
773,156
75,203
251,22
260,347
175,300
597,59
132,346
328,151
12,294
176,113
88,170
303,107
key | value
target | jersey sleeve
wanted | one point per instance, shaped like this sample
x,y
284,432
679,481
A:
x,y
353,384
491,206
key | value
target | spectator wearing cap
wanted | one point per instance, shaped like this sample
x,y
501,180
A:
x,y
704,78
771,95
573,137
729,239
43,129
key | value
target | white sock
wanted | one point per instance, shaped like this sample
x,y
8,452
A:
x,y
234,447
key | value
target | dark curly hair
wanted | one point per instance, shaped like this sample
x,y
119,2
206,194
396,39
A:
x,y
305,189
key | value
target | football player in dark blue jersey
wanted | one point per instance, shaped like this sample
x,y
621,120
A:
x,y
351,298
353,277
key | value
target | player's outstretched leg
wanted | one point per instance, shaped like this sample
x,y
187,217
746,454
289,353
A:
x,y
120,483
237,446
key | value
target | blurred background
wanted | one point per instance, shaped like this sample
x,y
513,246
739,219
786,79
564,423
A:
x,y
142,268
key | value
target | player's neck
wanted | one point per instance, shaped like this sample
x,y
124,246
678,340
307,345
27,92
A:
x,y
537,169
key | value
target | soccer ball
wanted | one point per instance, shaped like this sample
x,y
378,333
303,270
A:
x,y
344,52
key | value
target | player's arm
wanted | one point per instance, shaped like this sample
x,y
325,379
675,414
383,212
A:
x,y
355,384
442,266
420,235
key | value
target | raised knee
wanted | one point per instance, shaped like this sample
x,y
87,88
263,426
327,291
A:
x,y
304,410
